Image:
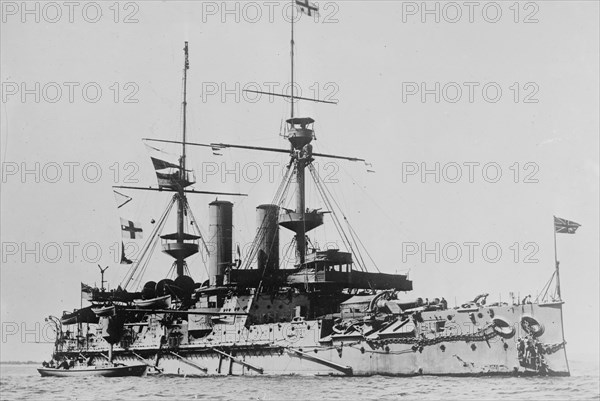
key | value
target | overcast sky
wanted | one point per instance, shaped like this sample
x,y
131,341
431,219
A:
x,y
492,89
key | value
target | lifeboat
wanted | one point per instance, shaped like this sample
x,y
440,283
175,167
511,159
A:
x,y
69,319
84,315
154,303
111,371
104,311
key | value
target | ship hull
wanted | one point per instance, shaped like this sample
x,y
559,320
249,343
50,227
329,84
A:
x,y
469,342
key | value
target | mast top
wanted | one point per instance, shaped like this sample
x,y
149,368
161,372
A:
x,y
300,120
185,49
300,132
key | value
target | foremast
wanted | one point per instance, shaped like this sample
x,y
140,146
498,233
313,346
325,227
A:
x,y
181,244
174,176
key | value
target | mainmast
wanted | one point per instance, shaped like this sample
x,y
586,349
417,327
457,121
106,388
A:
x,y
186,67
292,60
300,135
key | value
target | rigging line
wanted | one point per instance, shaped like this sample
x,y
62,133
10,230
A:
x,y
278,198
363,246
250,254
286,187
191,214
320,188
329,206
136,256
389,218
355,234
258,236
352,235
199,229
555,293
138,280
355,249
546,287
285,254
257,239
261,233
336,221
172,270
152,238
282,189
205,267
254,247
351,230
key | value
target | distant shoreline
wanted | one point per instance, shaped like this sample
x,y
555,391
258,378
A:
x,y
20,363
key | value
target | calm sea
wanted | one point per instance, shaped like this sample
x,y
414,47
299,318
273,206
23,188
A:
x,y
18,382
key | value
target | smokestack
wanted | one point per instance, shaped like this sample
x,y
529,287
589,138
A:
x,y
220,240
267,219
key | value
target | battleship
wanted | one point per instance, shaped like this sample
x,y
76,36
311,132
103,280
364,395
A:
x,y
325,313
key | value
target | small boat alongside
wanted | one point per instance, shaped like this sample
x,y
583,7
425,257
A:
x,y
108,371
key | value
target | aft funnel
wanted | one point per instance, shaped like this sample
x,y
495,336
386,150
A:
x,y
220,240
267,217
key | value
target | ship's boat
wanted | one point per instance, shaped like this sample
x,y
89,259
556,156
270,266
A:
x,y
111,371
303,309
69,319
104,310
154,303
83,315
